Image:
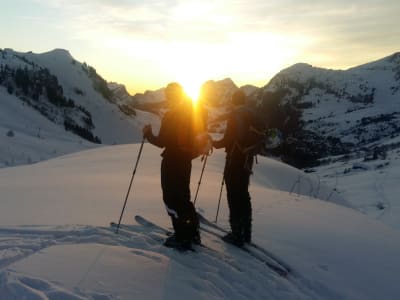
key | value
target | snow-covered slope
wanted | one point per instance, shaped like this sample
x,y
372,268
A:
x,y
370,185
334,251
76,82
27,137
111,125
45,98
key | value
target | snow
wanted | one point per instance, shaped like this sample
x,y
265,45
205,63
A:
x,y
111,124
55,242
370,186
337,101
34,138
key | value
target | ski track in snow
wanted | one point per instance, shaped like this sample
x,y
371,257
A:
x,y
226,272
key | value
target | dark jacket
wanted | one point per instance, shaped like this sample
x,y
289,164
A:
x,y
231,134
235,158
174,134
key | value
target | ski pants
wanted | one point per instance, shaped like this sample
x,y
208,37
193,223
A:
x,y
237,179
175,183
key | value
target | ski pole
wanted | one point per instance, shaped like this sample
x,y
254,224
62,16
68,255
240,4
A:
x,y
219,199
201,176
227,167
130,184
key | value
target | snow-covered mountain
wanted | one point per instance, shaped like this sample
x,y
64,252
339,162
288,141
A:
x,y
67,91
218,93
149,97
121,97
331,112
51,98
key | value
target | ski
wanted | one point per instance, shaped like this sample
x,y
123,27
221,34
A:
x,y
124,227
201,249
145,222
157,234
252,249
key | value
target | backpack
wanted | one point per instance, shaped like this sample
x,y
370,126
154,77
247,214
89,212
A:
x,y
251,131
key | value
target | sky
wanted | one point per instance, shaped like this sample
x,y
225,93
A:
x,y
145,44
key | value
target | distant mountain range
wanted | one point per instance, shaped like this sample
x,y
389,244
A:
x,y
321,112
332,112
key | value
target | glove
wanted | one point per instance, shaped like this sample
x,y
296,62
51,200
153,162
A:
x,y
147,130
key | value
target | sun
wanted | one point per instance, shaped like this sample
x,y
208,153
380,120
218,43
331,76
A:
x,y
192,89
189,65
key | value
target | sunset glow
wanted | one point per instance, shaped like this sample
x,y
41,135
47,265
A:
x,y
145,45
192,90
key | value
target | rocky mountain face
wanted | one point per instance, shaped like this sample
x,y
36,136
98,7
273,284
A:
x,y
121,98
325,112
70,94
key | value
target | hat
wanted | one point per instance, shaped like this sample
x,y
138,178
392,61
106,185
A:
x,y
174,91
238,98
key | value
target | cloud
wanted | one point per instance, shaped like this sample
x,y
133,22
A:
x,y
329,33
213,21
342,33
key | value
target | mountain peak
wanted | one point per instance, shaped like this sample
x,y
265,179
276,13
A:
x,y
299,67
395,57
59,52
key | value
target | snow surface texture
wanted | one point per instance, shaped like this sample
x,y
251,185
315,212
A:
x,y
55,242
370,186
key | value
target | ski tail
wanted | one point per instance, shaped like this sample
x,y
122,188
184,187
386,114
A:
x,y
253,249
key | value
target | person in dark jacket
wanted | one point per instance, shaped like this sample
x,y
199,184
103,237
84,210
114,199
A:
x,y
176,166
237,171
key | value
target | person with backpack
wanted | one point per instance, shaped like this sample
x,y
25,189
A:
x,y
240,141
176,137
